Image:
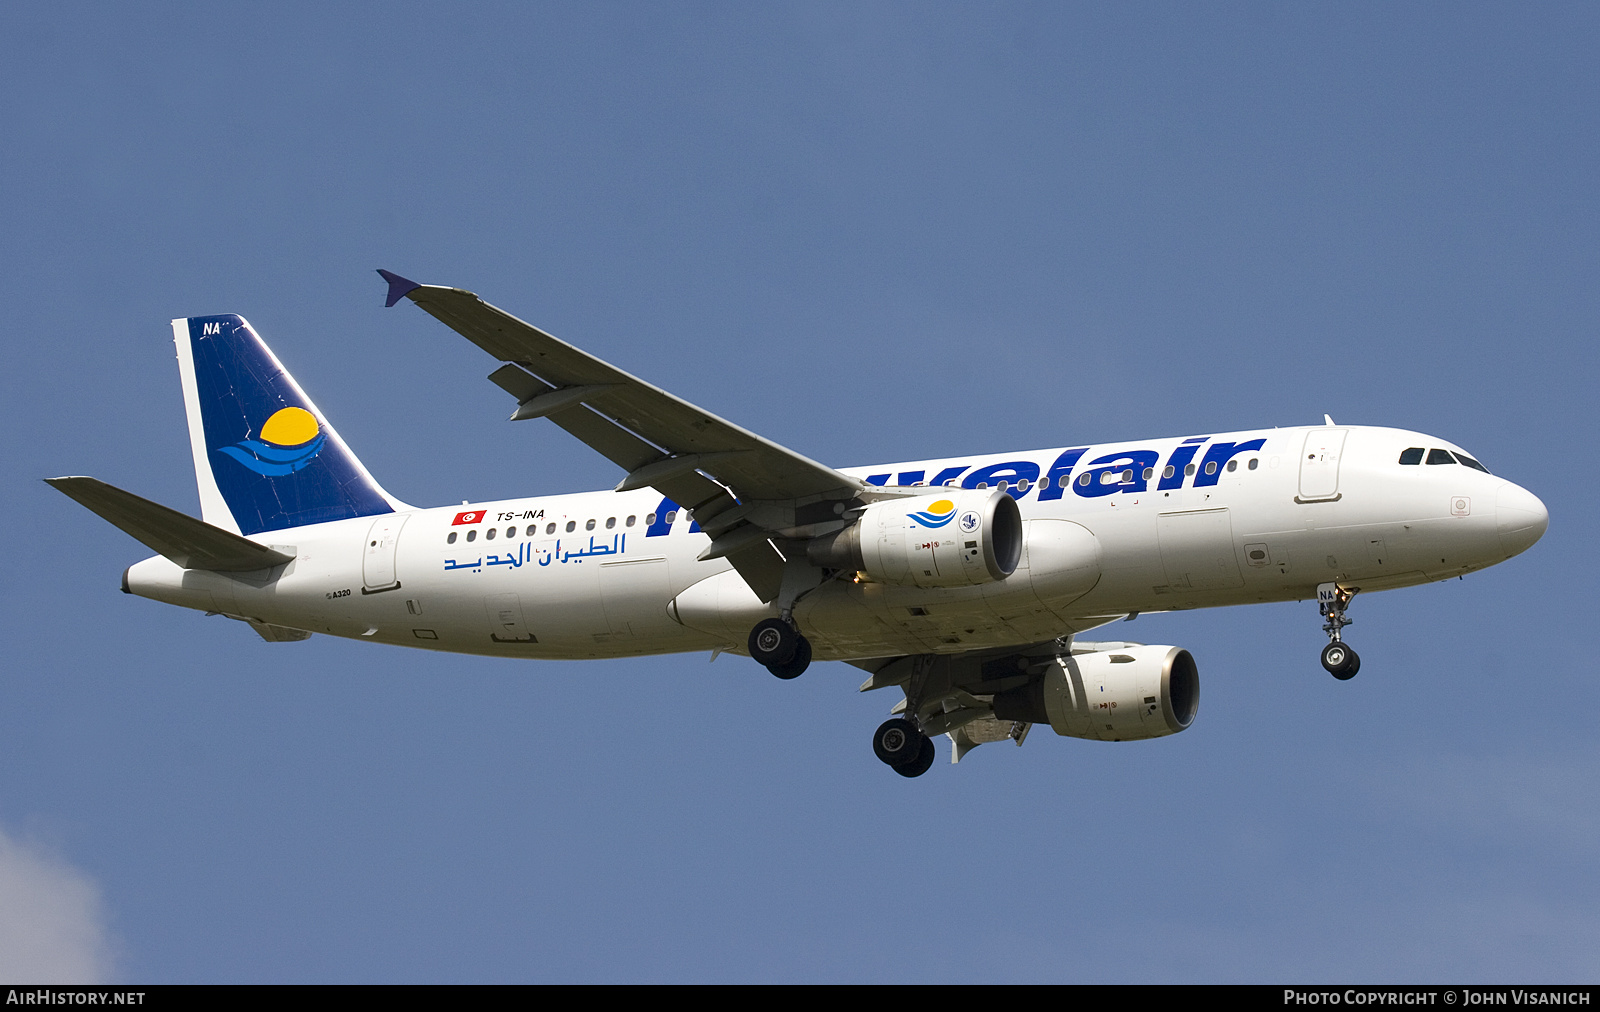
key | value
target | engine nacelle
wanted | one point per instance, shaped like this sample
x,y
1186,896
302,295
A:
x,y
1123,694
949,538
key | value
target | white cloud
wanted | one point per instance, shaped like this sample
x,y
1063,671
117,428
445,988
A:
x,y
52,925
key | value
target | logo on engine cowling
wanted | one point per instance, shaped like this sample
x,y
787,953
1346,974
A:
x,y
970,521
936,515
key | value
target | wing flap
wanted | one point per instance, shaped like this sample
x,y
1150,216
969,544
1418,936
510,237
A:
x,y
190,543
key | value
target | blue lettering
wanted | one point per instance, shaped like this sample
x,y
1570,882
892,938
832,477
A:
x,y
661,526
1056,478
1133,461
911,477
1218,455
1179,460
1011,470
877,479
948,474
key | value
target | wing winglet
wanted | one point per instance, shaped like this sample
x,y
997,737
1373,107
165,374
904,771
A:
x,y
399,287
190,543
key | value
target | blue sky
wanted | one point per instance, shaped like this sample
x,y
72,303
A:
x,y
871,232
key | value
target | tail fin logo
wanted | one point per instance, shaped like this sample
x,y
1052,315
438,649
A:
x,y
290,440
936,515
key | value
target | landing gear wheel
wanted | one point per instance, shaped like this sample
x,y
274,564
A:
x,y
1341,662
796,664
919,765
774,641
898,743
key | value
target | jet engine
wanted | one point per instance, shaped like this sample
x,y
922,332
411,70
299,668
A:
x,y
949,538
1123,694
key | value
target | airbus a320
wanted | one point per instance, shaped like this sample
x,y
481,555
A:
x,y
966,583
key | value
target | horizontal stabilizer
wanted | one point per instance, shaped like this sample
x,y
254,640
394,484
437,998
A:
x,y
191,543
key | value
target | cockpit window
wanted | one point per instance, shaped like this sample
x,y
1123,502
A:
x,y
1413,455
1440,457
1471,463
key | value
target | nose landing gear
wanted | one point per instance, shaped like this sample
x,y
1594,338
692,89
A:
x,y
1340,661
778,645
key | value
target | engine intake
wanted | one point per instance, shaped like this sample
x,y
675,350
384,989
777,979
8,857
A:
x,y
1123,694
949,538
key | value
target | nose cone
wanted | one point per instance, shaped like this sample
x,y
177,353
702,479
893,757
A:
x,y
1520,518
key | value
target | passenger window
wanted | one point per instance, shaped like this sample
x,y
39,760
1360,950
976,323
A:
x,y
1233,465
1440,457
631,520
532,530
589,526
472,535
1188,470
1022,486
489,534
649,519
672,517
611,522
549,528
1253,462
1211,467
983,484
1083,479
511,532
1168,471
1127,476
451,539
1002,486
1149,473
1413,455
1471,463
572,525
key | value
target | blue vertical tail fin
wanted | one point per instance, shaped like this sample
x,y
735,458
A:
x,y
264,456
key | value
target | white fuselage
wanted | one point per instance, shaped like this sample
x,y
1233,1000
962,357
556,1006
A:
x,y
604,574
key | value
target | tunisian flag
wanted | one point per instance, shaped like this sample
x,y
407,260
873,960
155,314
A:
x,y
475,517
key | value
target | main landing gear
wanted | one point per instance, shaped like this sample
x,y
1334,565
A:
x,y
904,747
1340,661
778,645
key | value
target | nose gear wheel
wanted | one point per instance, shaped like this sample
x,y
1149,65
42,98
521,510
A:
x,y
1340,661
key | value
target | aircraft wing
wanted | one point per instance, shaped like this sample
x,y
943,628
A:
x,y
740,487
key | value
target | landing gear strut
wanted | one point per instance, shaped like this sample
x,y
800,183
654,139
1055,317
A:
x,y
778,645
903,747
1340,661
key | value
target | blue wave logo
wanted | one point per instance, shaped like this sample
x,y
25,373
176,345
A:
x,y
936,515
289,441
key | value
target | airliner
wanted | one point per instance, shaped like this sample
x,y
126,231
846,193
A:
x,y
964,582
